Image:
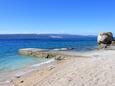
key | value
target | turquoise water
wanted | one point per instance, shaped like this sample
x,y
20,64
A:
x,y
10,59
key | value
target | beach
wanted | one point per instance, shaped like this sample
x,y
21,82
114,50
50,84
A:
x,y
57,43
93,68
12,62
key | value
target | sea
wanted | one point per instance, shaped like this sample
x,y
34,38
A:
x,y
10,60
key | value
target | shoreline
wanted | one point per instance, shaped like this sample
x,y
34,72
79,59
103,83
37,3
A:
x,y
34,67
91,62
39,66
25,71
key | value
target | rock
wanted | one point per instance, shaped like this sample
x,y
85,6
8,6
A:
x,y
50,55
51,67
102,46
22,81
37,52
30,51
105,38
18,76
113,43
59,57
42,53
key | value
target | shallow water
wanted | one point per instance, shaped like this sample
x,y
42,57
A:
x,y
10,60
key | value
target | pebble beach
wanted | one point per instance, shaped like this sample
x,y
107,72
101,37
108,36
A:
x,y
94,68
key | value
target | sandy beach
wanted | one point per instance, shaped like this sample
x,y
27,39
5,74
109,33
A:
x,y
57,42
94,68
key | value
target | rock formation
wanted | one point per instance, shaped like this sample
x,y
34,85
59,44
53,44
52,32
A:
x,y
105,39
44,53
36,52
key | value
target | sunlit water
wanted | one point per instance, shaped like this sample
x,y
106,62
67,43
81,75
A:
x,y
10,60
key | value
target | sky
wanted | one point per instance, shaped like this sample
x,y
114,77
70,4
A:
x,y
57,16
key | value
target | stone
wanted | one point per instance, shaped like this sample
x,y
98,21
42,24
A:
x,y
102,46
113,43
22,81
18,76
51,67
105,38
59,57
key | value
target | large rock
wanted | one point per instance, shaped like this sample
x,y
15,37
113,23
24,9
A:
x,y
105,38
37,52
58,55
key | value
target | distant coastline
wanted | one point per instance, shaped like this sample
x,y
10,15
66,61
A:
x,y
42,36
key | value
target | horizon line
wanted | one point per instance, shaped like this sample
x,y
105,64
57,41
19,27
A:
x,y
46,33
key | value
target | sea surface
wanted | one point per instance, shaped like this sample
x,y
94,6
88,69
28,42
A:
x,y
10,60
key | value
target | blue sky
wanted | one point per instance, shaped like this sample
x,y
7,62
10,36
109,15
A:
x,y
57,16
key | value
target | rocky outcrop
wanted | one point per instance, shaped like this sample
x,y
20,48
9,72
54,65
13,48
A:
x,y
42,53
37,52
105,39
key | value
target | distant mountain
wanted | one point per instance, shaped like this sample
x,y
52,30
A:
x,y
39,36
